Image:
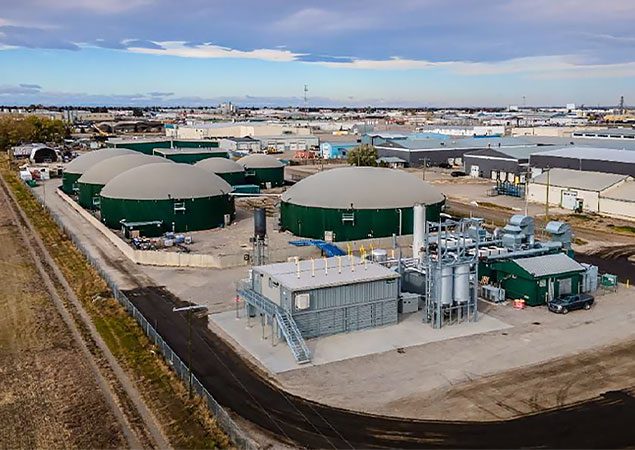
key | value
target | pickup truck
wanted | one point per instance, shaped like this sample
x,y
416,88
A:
x,y
566,303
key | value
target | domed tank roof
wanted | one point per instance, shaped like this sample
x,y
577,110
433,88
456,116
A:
x,y
84,162
259,161
106,170
362,188
165,181
220,165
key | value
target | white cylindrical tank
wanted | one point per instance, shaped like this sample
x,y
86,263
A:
x,y
447,285
418,229
462,283
379,255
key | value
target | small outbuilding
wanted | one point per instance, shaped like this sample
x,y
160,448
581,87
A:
x,y
263,170
179,196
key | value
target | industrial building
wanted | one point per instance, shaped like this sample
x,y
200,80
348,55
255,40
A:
x,y
357,203
336,150
315,298
505,164
167,197
587,158
36,153
147,145
289,142
77,167
229,170
207,130
189,155
608,133
95,178
244,145
573,189
263,170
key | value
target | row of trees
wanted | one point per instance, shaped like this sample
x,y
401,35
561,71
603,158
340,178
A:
x,y
22,130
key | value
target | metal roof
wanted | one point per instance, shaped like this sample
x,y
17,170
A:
x,y
189,151
324,272
619,144
362,188
457,143
259,162
165,181
611,132
84,162
545,265
624,192
220,165
517,153
593,154
106,170
577,179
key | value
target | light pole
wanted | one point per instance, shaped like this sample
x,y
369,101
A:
x,y
189,310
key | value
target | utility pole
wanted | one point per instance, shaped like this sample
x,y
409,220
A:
x,y
547,196
423,171
306,101
189,310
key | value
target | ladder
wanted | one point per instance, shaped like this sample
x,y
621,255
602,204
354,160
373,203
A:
x,y
285,321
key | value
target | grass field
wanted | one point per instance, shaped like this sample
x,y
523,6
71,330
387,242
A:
x,y
186,423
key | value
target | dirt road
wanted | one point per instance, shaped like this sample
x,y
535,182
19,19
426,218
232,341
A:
x,y
49,397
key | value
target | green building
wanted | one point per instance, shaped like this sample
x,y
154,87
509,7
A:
x,y
179,196
227,169
76,168
148,145
263,170
538,279
94,179
357,203
189,155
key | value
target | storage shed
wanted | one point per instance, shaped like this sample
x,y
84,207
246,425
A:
x,y
227,169
182,197
263,170
357,203
76,168
94,179
539,279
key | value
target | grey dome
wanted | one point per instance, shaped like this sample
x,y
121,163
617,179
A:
x,y
220,165
259,162
84,162
363,188
106,170
165,181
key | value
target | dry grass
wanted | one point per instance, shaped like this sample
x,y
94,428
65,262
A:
x,y
186,423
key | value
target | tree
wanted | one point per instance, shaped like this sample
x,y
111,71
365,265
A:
x,y
362,155
22,130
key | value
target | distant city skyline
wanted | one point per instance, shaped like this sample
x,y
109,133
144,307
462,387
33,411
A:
x,y
355,53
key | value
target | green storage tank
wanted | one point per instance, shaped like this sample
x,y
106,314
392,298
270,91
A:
x,y
76,168
228,170
182,197
263,170
148,145
357,203
94,179
189,155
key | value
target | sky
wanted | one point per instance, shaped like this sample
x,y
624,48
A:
x,y
415,53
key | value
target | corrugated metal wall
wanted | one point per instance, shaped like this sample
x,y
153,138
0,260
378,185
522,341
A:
x,y
334,297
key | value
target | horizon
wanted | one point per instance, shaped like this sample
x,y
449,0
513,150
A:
x,y
406,54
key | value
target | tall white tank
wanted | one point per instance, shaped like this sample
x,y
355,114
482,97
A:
x,y
447,285
418,229
462,283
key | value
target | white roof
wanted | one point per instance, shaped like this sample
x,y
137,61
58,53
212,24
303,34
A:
x,y
259,162
540,266
362,188
84,162
220,165
161,181
592,153
286,273
623,192
106,170
578,179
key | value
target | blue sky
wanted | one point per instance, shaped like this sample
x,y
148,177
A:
x,y
349,52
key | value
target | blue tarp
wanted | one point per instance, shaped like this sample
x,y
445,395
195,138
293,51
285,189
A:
x,y
328,248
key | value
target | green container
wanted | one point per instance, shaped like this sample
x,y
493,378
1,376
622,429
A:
x,y
609,280
350,224
246,189
69,182
262,176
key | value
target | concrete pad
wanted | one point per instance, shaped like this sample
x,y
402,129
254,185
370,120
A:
x,y
409,332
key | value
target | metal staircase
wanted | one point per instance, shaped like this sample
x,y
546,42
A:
x,y
285,321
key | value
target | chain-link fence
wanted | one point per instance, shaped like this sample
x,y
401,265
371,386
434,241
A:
x,y
235,433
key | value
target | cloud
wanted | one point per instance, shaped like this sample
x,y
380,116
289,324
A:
x,y
320,21
17,36
36,87
160,94
207,50
96,6
19,90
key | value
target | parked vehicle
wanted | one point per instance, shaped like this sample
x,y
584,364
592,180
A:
x,y
458,173
566,303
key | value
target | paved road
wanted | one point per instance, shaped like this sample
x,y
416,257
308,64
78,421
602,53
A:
x,y
239,387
